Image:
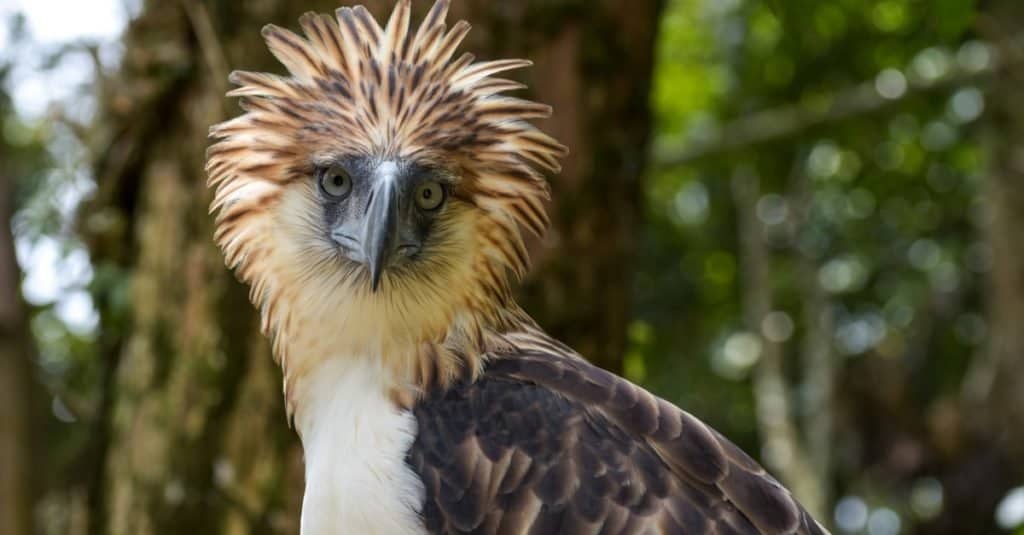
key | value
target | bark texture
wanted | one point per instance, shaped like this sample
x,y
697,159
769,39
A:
x,y
593,63
195,438
1005,198
17,429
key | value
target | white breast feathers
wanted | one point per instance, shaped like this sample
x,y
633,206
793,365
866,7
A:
x,y
355,441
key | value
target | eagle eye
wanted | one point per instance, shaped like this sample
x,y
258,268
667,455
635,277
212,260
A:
x,y
335,182
430,195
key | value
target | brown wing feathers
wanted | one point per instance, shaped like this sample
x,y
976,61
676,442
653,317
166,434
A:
x,y
688,446
546,443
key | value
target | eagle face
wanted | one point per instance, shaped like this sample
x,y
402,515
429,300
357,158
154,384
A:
x,y
379,247
384,214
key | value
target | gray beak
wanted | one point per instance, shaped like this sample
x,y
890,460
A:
x,y
381,228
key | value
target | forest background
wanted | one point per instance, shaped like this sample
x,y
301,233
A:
x,y
796,219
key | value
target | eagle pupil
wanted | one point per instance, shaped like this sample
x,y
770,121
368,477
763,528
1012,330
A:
x,y
429,196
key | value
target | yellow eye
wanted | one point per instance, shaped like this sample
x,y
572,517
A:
x,y
335,182
429,195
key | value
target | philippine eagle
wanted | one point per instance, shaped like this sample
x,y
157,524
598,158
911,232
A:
x,y
373,199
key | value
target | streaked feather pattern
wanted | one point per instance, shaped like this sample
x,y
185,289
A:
x,y
545,443
358,88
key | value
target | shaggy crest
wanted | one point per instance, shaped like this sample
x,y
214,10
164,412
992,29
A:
x,y
357,88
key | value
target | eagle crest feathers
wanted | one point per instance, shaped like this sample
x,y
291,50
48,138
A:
x,y
354,87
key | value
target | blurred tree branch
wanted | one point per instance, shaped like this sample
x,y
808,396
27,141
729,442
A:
x,y
790,120
817,351
209,42
1004,399
780,435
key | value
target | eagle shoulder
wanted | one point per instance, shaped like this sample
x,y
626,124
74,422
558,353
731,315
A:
x,y
544,442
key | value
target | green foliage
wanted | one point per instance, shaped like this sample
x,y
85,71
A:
x,y
892,204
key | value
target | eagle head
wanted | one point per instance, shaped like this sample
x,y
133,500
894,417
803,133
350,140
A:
x,y
378,190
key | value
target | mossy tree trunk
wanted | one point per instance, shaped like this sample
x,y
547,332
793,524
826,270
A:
x,y
1001,22
20,423
196,439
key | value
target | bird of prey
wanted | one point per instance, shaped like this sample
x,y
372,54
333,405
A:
x,y
374,199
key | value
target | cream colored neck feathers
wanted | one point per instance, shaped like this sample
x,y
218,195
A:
x,y
428,324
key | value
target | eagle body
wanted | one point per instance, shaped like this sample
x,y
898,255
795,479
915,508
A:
x,y
539,442
545,443
374,201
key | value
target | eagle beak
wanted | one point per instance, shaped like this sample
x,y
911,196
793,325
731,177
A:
x,y
381,228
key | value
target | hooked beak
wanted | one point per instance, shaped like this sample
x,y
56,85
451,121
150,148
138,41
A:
x,y
381,228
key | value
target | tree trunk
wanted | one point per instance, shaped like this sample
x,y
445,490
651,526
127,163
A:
x,y
593,63
17,432
1005,198
198,440
197,436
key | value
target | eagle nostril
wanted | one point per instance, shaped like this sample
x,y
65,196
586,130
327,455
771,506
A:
x,y
408,249
345,241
